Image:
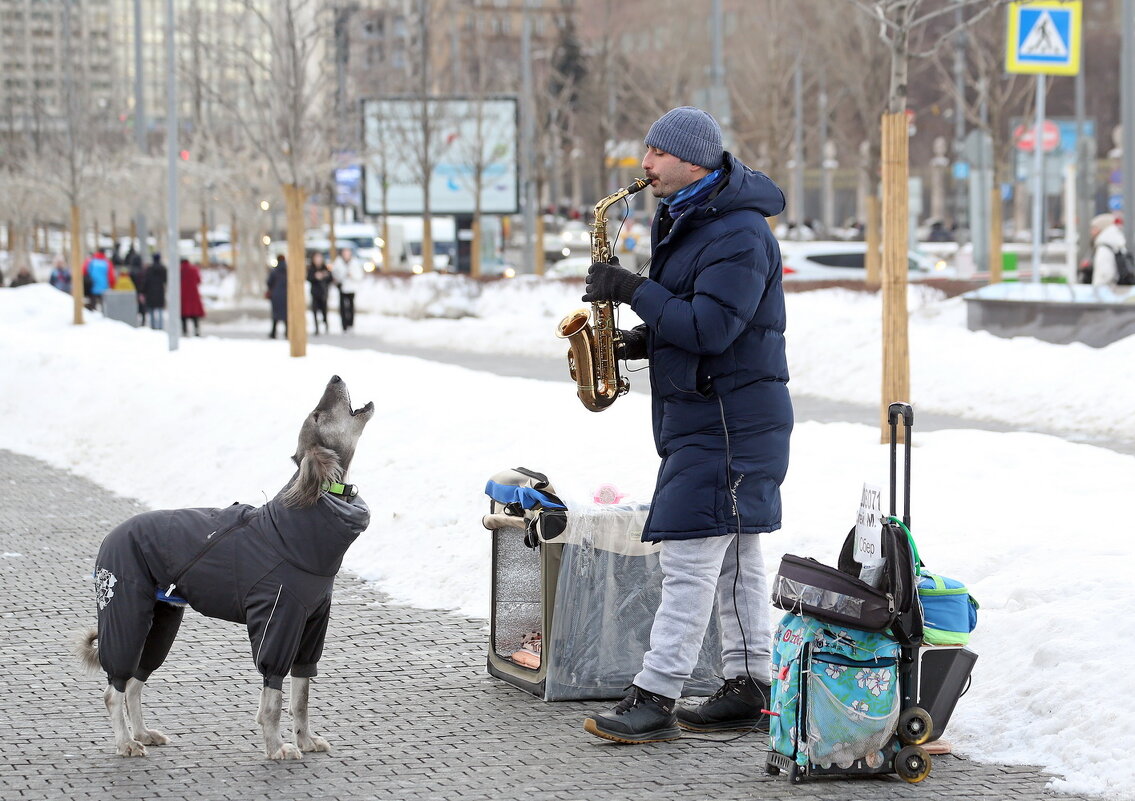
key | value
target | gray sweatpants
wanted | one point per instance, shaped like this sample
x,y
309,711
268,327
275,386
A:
x,y
694,574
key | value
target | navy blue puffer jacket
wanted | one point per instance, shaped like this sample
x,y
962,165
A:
x,y
713,309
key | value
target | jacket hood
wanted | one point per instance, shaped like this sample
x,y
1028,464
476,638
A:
x,y
315,538
746,188
1111,237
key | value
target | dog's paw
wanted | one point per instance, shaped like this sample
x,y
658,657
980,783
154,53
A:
x,y
286,751
313,743
152,737
132,748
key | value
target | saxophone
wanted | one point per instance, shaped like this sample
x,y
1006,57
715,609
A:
x,y
591,345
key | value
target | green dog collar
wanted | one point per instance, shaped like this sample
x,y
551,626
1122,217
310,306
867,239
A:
x,y
344,490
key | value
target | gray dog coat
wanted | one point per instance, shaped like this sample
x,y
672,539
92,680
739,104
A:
x,y
271,568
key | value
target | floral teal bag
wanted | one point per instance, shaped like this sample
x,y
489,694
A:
x,y
846,680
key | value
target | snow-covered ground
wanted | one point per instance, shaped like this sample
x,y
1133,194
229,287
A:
x,y
1037,526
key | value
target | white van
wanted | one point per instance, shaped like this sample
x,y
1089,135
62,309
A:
x,y
364,238
406,242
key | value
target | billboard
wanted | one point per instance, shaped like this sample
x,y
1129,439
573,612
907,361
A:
x,y
467,136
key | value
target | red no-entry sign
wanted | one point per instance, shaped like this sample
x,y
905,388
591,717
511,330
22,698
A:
x,y
1025,137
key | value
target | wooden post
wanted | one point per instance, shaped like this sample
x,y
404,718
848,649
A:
x,y
995,235
387,251
204,261
872,259
76,265
538,268
475,251
896,353
427,244
297,302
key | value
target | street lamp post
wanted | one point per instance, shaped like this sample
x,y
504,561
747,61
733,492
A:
x,y
173,265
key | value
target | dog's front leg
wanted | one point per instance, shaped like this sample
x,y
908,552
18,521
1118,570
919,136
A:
x,y
134,716
306,739
271,702
123,742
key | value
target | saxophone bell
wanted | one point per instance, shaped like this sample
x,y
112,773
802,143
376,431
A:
x,y
592,336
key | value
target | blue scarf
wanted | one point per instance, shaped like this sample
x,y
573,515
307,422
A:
x,y
694,193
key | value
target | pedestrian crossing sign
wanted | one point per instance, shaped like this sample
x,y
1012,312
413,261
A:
x,y
1044,37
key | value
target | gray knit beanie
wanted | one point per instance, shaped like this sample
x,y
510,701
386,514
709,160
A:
x,y
690,134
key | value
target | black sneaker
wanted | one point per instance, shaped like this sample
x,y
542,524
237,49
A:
x,y
736,706
641,717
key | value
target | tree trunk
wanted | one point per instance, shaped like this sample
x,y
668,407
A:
x,y
995,232
76,265
387,252
297,304
475,252
538,253
203,259
427,241
896,355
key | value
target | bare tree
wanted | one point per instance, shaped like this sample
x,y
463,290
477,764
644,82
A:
x,y
281,116
900,23
75,153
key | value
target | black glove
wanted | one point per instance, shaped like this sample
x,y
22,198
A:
x,y
632,344
610,282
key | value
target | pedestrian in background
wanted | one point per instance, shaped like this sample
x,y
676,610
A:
x,y
101,273
154,288
124,283
60,277
277,294
138,276
348,273
192,310
1108,244
23,278
713,330
319,277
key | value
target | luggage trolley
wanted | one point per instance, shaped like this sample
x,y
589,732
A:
x,y
902,753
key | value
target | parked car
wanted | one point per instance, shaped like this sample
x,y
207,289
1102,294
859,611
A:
x,y
575,235
839,260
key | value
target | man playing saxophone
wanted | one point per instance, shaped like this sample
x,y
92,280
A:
x,y
713,331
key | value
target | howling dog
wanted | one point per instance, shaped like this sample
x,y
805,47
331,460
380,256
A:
x,y
272,568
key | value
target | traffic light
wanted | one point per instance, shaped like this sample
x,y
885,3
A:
x,y
184,155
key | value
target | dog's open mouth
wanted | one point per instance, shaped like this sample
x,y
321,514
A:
x,y
367,409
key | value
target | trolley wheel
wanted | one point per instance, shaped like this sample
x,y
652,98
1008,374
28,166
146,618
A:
x,y
771,769
914,726
912,764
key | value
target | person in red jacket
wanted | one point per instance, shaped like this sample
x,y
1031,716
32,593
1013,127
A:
x,y
191,306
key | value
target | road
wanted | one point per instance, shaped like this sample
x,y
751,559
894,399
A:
x,y
806,407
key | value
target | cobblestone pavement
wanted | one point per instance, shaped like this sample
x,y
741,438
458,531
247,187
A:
x,y
403,697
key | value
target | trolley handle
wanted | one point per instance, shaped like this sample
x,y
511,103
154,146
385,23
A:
x,y
906,412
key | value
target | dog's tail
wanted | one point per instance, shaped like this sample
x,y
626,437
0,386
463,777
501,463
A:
x,y
86,649
318,465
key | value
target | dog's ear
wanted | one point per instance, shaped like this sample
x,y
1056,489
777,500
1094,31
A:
x,y
316,466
